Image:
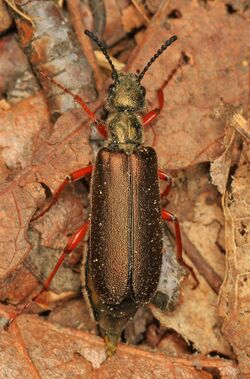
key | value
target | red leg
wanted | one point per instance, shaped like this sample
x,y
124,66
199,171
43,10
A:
x,y
167,216
100,126
71,245
168,179
76,175
150,116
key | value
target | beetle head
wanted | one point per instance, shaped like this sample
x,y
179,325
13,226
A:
x,y
126,93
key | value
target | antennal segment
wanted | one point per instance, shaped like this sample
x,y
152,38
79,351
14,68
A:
x,y
157,54
104,51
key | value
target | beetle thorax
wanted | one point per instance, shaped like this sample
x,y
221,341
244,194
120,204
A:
x,y
125,131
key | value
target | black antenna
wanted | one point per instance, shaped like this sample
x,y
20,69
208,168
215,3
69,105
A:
x,y
157,54
104,51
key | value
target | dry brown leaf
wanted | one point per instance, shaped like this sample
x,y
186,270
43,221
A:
x,y
229,116
74,314
23,128
217,46
113,25
195,201
45,350
235,293
5,19
196,319
16,210
132,19
187,132
173,344
11,69
152,5
203,231
66,149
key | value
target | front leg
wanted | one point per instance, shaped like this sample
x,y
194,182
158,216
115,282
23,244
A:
x,y
99,124
150,116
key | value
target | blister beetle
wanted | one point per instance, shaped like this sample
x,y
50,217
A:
x,y
125,241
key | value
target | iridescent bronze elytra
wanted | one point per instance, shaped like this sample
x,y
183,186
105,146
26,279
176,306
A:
x,y
125,241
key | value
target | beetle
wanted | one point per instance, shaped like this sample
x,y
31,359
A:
x,y
124,257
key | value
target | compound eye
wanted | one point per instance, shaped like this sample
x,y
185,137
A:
x,y
143,91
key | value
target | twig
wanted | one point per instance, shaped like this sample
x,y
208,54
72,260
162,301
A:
x,y
204,269
241,125
12,5
103,62
75,13
142,13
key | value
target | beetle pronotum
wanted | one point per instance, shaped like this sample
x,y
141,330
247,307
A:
x,y
125,240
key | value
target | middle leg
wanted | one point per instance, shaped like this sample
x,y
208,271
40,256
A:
x,y
168,179
74,177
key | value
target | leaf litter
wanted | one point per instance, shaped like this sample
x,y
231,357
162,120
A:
x,y
187,135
